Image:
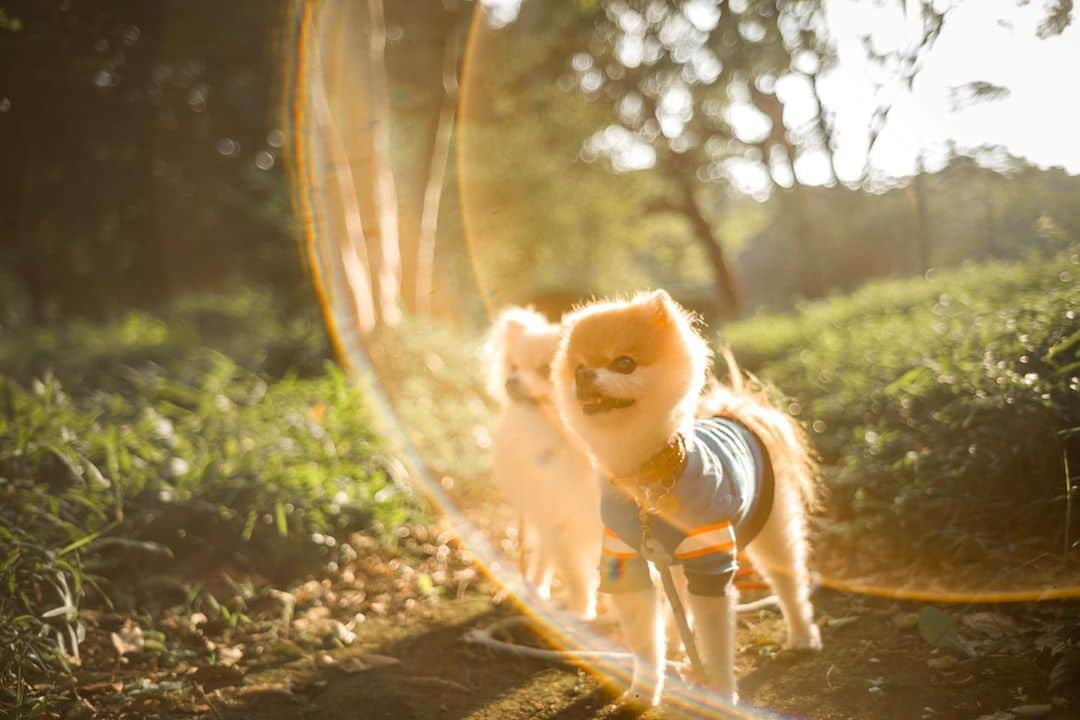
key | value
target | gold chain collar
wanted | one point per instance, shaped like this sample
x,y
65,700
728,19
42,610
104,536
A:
x,y
657,476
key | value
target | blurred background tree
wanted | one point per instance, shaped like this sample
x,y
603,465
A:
x,y
142,151
717,126
613,145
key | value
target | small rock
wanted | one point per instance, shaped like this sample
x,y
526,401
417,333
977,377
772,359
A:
x,y
1031,711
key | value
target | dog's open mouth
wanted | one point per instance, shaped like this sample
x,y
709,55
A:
x,y
598,403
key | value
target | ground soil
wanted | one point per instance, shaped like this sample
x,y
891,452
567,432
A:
x,y
406,657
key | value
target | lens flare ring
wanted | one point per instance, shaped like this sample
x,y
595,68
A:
x,y
312,171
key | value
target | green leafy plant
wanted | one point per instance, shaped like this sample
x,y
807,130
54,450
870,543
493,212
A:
x,y
937,405
218,423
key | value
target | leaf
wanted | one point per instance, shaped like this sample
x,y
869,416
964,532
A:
x,y
991,624
938,630
905,620
129,639
229,656
368,661
1065,675
84,540
145,546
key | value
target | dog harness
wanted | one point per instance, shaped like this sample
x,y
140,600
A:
x,y
724,491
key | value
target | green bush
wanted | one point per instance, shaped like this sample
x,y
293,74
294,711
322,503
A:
x,y
939,406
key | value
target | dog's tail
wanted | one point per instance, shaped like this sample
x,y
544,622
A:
x,y
744,399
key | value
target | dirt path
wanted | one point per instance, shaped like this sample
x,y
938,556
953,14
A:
x,y
875,665
380,636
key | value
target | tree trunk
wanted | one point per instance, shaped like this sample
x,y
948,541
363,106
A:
x,y
797,217
382,170
824,126
440,152
922,211
723,281
343,242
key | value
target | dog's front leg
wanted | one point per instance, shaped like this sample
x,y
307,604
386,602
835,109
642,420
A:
x,y
640,621
714,635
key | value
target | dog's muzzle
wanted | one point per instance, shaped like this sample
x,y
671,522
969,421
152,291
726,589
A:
x,y
592,399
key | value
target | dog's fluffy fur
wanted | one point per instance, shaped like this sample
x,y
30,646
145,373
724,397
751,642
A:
x,y
638,413
544,474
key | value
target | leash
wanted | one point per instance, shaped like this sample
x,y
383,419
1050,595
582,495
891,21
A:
x,y
653,551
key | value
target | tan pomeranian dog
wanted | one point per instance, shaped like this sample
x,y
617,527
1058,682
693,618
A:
x,y
714,473
539,467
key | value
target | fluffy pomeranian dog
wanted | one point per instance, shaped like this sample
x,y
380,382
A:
x,y
714,472
539,467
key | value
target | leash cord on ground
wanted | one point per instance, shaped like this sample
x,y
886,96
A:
x,y
486,637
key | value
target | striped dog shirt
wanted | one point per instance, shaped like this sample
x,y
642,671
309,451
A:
x,y
724,492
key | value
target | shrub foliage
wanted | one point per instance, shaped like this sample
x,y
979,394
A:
x,y
942,408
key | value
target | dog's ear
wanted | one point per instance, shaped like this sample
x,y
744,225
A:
x,y
662,307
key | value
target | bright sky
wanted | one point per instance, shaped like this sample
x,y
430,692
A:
x,y
991,40
988,40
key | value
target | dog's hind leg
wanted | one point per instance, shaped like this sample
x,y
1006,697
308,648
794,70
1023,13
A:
x,y
577,568
779,554
542,568
538,560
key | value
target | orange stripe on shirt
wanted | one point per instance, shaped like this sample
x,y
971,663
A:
x,y
709,550
613,546
708,528
619,555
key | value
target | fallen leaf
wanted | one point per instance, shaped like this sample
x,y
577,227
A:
x,y
360,663
344,634
905,620
1065,674
992,624
938,630
228,656
129,639
269,688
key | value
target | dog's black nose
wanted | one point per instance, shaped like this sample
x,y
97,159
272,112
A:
x,y
585,378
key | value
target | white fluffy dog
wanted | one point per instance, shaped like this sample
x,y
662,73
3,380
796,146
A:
x,y
712,471
540,468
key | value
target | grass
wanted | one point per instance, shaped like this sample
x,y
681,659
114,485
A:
x,y
942,408
215,425
219,430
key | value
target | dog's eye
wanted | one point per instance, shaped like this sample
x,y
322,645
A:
x,y
544,370
623,364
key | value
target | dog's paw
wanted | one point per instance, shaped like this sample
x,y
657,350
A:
x,y
807,641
